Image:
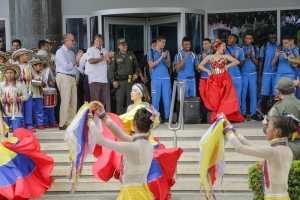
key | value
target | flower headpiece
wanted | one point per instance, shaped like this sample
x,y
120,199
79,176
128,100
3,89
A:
x,y
139,88
298,129
217,44
154,117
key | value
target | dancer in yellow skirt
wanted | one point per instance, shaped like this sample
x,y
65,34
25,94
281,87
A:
x,y
278,157
137,150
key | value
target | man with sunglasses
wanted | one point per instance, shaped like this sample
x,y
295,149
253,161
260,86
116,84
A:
x,y
122,72
98,59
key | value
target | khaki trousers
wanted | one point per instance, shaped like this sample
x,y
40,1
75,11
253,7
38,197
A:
x,y
68,93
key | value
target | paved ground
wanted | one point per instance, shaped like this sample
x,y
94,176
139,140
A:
x,y
175,196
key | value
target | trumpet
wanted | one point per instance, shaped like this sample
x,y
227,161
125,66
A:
x,y
13,96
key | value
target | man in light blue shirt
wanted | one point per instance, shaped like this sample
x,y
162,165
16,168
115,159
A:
x,y
66,68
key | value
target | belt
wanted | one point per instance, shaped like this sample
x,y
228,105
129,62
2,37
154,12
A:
x,y
67,74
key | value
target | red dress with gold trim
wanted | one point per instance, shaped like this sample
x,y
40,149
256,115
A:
x,y
220,94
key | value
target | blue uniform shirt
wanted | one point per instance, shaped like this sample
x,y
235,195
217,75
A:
x,y
204,74
188,68
270,52
160,71
283,64
249,66
239,55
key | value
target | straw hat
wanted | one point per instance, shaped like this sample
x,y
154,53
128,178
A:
x,y
14,67
10,52
46,59
4,55
36,61
19,52
35,50
49,41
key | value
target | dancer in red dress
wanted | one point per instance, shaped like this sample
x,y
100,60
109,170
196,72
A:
x,y
220,95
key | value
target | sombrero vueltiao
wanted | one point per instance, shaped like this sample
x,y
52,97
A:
x,y
49,41
10,52
36,61
4,55
46,59
35,50
14,67
19,52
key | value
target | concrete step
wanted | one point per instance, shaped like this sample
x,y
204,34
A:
x,y
183,169
185,157
185,144
183,184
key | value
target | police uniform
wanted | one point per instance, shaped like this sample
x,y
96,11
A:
x,y
235,72
122,69
288,105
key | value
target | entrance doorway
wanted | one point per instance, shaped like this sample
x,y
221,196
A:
x,y
140,26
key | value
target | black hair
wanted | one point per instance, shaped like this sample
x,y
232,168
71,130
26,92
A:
x,y
42,43
286,37
18,41
249,34
99,36
234,35
207,39
186,39
272,33
287,91
154,41
142,120
286,124
2,109
292,37
159,38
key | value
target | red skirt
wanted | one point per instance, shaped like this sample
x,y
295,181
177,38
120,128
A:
x,y
26,172
219,95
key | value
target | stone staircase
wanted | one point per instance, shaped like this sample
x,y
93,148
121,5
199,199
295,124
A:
x,y
188,180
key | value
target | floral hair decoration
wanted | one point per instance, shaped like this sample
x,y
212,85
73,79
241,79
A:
x,y
154,117
217,44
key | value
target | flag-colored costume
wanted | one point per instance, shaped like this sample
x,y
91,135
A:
x,y
160,177
24,170
212,156
220,94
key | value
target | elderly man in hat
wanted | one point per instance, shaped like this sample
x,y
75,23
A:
x,y
123,71
12,94
21,57
288,104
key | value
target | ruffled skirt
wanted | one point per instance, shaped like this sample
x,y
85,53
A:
x,y
135,193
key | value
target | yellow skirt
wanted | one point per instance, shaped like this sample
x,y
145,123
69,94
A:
x,y
277,198
135,193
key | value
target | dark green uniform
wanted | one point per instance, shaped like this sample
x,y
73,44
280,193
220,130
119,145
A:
x,y
122,69
288,105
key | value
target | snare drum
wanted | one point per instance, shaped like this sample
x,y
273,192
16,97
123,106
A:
x,y
49,95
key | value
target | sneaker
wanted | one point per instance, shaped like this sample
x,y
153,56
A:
x,y
54,125
32,130
40,127
254,118
166,121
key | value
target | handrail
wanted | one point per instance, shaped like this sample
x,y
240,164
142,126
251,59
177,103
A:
x,y
181,86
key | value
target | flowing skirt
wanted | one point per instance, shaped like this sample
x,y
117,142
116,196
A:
x,y
135,193
160,177
220,96
24,170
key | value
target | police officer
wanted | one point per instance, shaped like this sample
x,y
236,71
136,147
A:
x,y
123,70
289,104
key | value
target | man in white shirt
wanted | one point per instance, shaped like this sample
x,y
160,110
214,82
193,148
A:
x,y
98,59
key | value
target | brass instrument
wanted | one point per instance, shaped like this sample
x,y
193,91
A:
x,y
13,96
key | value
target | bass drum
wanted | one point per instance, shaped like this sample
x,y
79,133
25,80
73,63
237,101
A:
x,y
49,95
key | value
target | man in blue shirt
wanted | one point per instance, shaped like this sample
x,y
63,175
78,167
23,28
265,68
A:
x,y
159,62
284,68
235,73
267,72
295,48
207,50
249,76
185,64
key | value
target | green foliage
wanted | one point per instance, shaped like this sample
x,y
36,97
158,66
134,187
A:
x,y
255,181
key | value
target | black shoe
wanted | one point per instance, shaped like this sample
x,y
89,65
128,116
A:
x,y
63,128
166,121
245,116
254,118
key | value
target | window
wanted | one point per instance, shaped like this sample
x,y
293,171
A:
x,y
78,28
